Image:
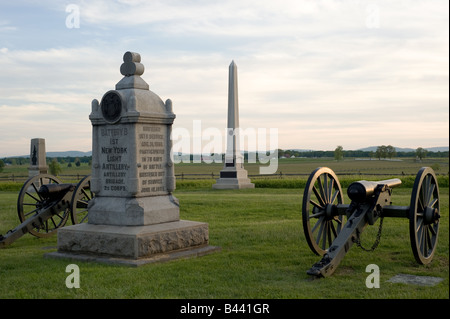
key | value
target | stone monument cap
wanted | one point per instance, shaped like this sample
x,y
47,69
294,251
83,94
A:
x,y
132,69
131,101
131,57
131,64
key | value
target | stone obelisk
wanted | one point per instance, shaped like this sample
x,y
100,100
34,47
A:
x,y
233,175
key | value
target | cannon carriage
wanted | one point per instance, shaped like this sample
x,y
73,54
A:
x,y
324,214
45,204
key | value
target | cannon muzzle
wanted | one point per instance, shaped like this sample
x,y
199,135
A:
x,y
362,190
54,191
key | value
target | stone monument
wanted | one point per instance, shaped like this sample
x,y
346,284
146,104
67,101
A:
x,y
233,175
38,160
134,217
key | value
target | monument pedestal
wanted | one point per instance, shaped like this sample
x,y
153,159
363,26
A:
x,y
33,172
133,245
134,211
232,178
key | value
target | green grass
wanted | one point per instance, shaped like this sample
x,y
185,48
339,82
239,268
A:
x,y
348,165
264,255
286,166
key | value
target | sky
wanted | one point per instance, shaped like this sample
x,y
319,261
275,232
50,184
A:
x,y
323,73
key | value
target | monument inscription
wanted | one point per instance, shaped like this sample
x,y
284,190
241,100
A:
x,y
114,156
152,153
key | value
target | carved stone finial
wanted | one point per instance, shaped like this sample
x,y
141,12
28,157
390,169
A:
x,y
131,65
132,69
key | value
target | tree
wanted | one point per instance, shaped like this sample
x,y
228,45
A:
x,y
390,151
381,151
421,153
54,167
2,164
339,153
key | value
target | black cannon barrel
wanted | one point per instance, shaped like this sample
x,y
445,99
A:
x,y
361,190
55,190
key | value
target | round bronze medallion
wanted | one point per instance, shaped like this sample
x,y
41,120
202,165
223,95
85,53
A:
x,y
111,107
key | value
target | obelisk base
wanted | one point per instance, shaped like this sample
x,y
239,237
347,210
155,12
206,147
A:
x,y
233,178
233,183
133,245
33,171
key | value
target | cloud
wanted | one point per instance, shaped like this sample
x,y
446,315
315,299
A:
x,y
317,70
5,27
21,124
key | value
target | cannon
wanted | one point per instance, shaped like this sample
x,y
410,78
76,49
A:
x,y
324,212
45,204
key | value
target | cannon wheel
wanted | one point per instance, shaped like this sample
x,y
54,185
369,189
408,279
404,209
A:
x,y
29,201
321,223
424,215
79,205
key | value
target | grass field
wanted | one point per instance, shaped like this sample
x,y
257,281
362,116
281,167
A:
x,y
299,166
264,252
305,166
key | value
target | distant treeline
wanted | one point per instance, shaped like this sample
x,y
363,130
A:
x,y
61,160
369,154
281,154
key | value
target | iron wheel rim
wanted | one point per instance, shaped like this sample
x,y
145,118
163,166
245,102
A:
x,y
80,200
29,201
322,190
423,232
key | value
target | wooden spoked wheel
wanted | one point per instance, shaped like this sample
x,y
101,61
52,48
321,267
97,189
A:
x,y
424,215
80,199
321,221
29,202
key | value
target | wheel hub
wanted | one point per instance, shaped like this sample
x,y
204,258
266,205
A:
x,y
330,211
430,215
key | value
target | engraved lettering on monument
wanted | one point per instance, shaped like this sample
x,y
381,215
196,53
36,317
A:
x,y
152,172
114,158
